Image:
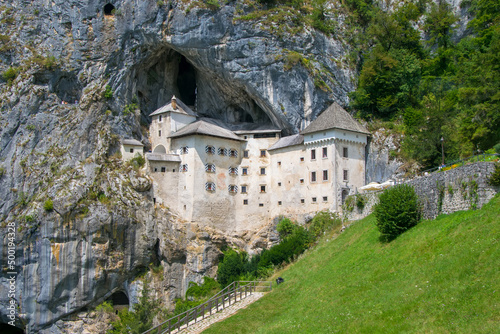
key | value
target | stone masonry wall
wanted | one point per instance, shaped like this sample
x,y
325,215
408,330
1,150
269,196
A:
x,y
461,188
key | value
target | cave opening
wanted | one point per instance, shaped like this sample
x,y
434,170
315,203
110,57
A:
x,y
8,329
108,9
186,82
119,300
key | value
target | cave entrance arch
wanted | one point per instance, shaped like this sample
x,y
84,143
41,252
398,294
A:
x,y
8,329
186,82
108,9
119,300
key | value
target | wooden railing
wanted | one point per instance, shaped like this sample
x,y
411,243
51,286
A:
x,y
217,303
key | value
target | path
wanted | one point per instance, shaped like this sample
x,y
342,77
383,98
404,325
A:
x,y
226,313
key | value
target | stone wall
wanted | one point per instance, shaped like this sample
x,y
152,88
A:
x,y
461,188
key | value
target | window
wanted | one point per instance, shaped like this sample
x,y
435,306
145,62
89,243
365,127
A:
x,y
314,199
245,154
345,152
222,151
301,159
210,168
279,163
173,170
233,170
159,133
263,171
156,169
279,184
210,186
209,149
232,188
244,189
163,169
244,171
325,152
261,204
245,202
233,153
325,175
262,153
160,118
184,150
183,168
346,175
313,176
313,154
262,189
302,201
131,150
279,202
325,198
301,180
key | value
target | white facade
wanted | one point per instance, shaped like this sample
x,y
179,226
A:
x,y
210,175
131,147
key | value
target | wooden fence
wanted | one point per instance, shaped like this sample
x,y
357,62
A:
x,y
229,295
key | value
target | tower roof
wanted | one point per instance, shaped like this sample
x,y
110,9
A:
x,y
180,108
335,117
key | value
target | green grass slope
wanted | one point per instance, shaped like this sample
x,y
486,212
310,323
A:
x,y
442,276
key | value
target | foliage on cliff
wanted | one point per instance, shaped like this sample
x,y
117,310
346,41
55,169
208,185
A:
x,y
437,88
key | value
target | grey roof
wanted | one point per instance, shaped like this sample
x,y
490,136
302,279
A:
x,y
163,157
292,140
207,127
181,109
335,117
134,142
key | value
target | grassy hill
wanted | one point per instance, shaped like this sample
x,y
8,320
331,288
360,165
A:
x,y
443,276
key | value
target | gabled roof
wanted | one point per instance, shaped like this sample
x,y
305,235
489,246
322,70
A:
x,y
181,109
163,157
133,142
207,127
292,140
335,117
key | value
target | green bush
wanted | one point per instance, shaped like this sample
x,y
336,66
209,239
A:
x,y
285,227
494,178
361,201
108,92
322,222
497,148
231,267
48,205
397,211
10,74
199,291
138,161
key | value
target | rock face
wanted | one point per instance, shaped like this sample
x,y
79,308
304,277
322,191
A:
x,y
76,81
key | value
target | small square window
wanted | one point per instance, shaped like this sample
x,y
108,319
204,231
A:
x,y
279,202
301,180
156,169
313,176
262,171
243,189
279,163
325,198
261,204
262,189
313,154
279,184
302,201
173,170
131,150
163,169
244,171
345,152
262,153
301,159
314,199
325,152
245,154
245,202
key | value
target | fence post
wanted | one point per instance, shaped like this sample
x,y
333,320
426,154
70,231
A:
x,y
270,285
169,325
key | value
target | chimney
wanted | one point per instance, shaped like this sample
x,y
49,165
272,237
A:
x,y
174,102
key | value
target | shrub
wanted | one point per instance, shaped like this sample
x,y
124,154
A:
x,y
494,178
323,221
285,227
198,291
48,205
9,75
397,211
497,148
105,307
348,205
361,201
108,92
138,161
231,267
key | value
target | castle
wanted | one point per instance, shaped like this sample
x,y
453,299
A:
x,y
238,177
